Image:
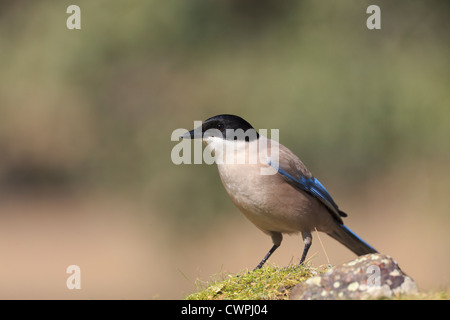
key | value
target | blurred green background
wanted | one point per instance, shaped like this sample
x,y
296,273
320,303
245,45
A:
x,y
86,117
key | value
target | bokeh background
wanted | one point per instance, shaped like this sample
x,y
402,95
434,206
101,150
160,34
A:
x,y
86,118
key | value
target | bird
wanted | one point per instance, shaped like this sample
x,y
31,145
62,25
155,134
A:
x,y
285,198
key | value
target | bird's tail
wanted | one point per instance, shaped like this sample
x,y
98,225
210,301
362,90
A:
x,y
349,239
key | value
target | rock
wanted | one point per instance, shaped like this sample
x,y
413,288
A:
x,y
367,277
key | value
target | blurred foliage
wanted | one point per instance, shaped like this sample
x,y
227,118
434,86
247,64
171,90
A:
x,y
94,108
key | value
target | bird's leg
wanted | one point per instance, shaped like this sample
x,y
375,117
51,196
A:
x,y
276,239
272,250
307,240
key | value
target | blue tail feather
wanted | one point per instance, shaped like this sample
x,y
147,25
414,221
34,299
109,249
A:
x,y
351,240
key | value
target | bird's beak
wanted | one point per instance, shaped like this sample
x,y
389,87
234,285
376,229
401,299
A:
x,y
188,135
193,134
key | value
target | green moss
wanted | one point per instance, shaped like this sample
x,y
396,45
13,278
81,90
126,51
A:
x,y
275,283
268,283
430,295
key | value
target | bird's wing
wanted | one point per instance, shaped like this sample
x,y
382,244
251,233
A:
x,y
295,173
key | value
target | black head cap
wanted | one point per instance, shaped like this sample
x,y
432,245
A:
x,y
229,126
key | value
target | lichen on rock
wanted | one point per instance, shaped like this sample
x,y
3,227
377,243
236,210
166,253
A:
x,y
367,277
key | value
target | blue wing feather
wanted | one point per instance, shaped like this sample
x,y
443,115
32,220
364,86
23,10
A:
x,y
314,187
317,188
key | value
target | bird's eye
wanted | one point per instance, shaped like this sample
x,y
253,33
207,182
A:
x,y
220,126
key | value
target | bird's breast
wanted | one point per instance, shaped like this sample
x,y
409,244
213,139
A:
x,y
268,201
245,185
